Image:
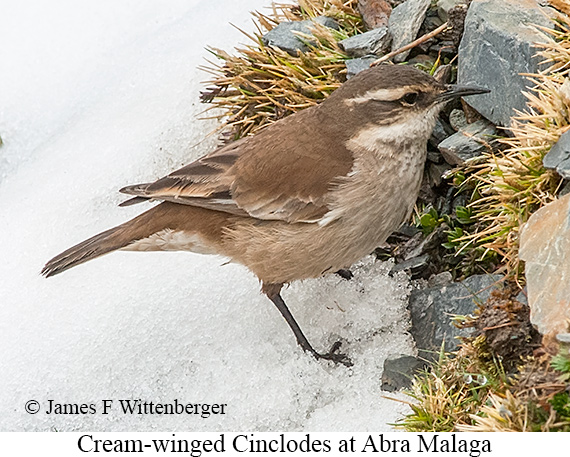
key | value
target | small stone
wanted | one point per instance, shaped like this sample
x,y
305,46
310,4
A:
x,y
563,338
468,143
422,60
442,279
413,264
399,371
522,297
443,74
375,42
375,13
430,311
545,247
443,7
457,119
471,115
282,35
404,24
498,44
424,245
355,66
558,158
431,22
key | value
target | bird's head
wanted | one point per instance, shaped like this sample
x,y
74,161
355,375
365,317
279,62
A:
x,y
397,96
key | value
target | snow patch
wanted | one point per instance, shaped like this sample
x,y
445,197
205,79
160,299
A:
x,y
99,95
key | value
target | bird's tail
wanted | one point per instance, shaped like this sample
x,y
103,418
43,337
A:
x,y
110,240
103,243
161,218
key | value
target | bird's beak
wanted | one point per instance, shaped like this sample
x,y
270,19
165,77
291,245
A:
x,y
455,90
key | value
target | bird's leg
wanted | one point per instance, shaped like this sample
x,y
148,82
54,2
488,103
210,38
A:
x,y
345,273
273,293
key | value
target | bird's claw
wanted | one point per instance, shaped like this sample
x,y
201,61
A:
x,y
334,356
345,274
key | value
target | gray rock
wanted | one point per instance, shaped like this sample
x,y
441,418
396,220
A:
x,y
376,41
545,248
558,158
355,66
282,35
404,24
468,143
399,371
431,308
443,6
498,45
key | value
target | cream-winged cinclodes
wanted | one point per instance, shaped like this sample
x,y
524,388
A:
x,y
304,197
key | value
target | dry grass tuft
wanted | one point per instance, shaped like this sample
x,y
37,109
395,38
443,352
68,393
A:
x,y
260,85
453,390
345,12
502,414
536,401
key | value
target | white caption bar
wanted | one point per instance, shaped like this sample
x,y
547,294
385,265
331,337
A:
x,y
323,443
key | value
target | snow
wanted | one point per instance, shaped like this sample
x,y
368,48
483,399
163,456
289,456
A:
x,y
96,95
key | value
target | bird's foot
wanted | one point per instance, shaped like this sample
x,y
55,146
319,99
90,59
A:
x,y
272,292
334,356
345,274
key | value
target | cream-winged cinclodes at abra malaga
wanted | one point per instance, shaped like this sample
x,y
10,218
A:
x,y
306,196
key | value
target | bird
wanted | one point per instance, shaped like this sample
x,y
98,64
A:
x,y
305,196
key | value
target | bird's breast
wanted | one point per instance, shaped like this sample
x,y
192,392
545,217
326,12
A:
x,y
380,191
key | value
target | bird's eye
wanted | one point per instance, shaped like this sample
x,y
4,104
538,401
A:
x,y
410,98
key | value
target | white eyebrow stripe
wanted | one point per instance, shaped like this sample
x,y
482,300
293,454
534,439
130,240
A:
x,y
380,94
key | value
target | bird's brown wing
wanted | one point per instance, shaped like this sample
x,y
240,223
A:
x,y
285,172
205,183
